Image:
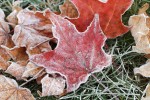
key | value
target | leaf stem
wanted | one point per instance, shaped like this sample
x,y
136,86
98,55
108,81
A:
x,y
33,77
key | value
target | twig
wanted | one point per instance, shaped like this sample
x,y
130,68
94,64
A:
x,y
32,77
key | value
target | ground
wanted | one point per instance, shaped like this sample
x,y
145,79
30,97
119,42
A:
x,y
116,81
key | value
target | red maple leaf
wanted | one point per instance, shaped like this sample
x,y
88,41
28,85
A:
x,y
77,55
110,15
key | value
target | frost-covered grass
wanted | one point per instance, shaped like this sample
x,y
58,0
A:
x,y
116,82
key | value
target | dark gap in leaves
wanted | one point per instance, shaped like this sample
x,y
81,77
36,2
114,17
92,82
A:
x,y
11,31
25,4
148,11
53,44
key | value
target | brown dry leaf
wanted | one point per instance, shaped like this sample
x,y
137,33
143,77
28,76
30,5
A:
x,y
12,17
68,9
4,40
31,70
33,28
4,57
144,70
147,56
9,90
40,77
18,54
143,9
44,47
147,91
4,29
141,31
16,70
52,86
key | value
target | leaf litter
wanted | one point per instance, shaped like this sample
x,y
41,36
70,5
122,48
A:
x,y
141,33
79,52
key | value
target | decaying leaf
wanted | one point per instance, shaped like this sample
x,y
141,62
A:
x,y
52,86
77,55
31,70
4,39
40,77
12,17
110,15
18,54
4,57
4,29
33,28
141,31
68,9
44,47
16,70
147,91
143,9
9,90
144,70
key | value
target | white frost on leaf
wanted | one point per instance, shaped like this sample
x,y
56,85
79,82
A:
x,y
52,86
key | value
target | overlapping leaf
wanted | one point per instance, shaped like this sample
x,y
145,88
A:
x,y
4,57
4,28
52,86
4,40
33,29
77,54
9,90
68,9
44,47
31,70
18,54
16,70
141,30
12,17
110,15
143,70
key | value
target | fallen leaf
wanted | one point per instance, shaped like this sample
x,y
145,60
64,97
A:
x,y
52,86
18,54
143,9
31,70
4,58
140,31
4,29
4,40
9,90
110,15
33,28
16,70
147,90
68,9
77,54
12,17
44,47
40,77
144,70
